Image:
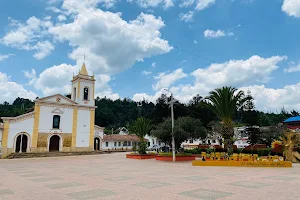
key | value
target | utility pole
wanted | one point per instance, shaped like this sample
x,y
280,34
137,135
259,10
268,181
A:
x,y
172,117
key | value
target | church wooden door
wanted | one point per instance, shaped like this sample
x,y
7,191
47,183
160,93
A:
x,y
96,144
21,139
54,143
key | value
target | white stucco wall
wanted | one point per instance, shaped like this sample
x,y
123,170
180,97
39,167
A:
x,y
79,99
99,133
241,143
152,140
111,145
83,128
17,127
46,120
198,141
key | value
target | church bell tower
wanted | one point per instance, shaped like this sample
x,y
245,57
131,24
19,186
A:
x,y
83,88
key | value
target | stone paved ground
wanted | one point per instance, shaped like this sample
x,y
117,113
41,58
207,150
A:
x,y
115,177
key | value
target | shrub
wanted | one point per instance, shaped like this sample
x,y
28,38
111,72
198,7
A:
x,y
193,151
209,150
219,149
249,151
239,151
264,152
142,146
134,148
179,154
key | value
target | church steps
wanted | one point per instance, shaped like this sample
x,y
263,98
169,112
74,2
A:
x,y
56,154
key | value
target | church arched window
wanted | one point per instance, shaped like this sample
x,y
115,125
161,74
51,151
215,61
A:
x,y
74,94
56,121
86,93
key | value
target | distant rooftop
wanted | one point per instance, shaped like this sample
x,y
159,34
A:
x,y
292,119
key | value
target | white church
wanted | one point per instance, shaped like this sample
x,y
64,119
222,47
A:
x,y
57,122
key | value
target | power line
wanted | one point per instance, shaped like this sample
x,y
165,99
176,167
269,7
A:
x,y
174,46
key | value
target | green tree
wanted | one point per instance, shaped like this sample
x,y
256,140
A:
x,y
141,127
184,128
225,102
254,135
269,134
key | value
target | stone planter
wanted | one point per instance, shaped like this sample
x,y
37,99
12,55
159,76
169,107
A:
x,y
178,158
141,157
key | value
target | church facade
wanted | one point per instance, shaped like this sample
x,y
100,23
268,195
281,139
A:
x,y
57,122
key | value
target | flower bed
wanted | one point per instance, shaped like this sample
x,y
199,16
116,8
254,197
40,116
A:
x,y
179,157
140,156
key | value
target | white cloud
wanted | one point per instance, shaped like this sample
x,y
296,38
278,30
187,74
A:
x,y
186,17
103,89
44,49
293,69
216,34
186,3
291,7
57,79
195,42
153,3
237,73
61,18
88,4
167,79
153,64
202,4
4,57
146,73
29,36
270,99
30,74
112,47
143,96
10,90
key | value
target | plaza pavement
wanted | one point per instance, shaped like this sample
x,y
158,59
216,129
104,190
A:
x,y
112,176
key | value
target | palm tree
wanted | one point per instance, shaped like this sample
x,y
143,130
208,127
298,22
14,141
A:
x,y
225,102
141,127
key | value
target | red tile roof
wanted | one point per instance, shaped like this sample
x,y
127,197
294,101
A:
x,y
116,137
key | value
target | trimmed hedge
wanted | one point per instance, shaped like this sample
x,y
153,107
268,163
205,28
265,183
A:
x,y
264,152
193,151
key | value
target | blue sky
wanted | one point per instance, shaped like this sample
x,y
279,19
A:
x,y
137,47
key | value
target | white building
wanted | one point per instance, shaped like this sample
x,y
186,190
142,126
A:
x,y
57,122
119,142
216,139
125,141
241,135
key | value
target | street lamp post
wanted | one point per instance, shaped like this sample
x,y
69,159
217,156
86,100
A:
x,y
172,117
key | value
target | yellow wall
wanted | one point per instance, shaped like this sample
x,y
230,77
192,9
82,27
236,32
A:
x,y
5,134
78,90
74,127
242,163
92,128
37,110
93,91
